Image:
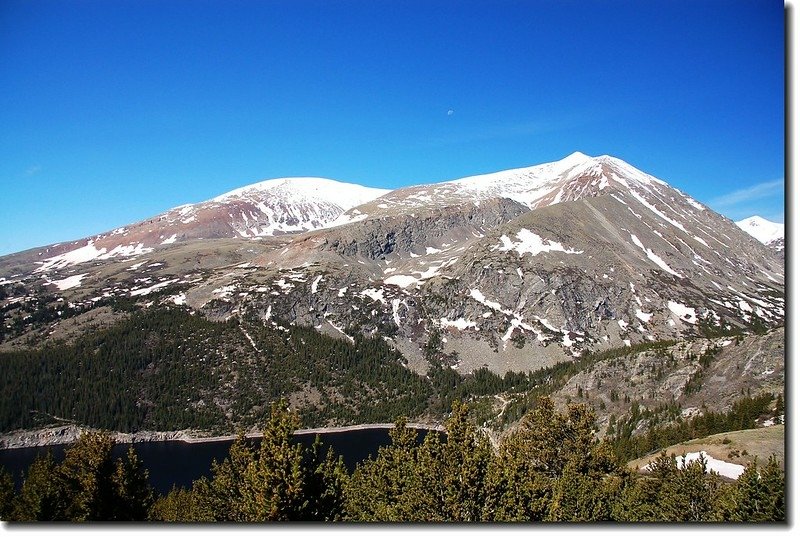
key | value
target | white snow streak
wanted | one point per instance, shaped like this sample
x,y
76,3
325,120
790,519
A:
x,y
460,323
315,283
374,294
652,256
401,280
148,290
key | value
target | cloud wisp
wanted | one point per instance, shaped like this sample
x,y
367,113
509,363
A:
x,y
33,170
745,195
763,199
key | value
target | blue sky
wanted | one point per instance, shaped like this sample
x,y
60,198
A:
x,y
111,112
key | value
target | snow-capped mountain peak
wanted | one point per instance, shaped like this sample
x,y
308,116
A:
x,y
763,230
304,189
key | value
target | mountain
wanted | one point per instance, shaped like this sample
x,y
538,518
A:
x,y
264,209
767,232
513,271
582,253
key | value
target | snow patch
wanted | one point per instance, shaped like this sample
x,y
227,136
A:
x,y
315,283
73,257
224,291
374,294
460,323
479,296
727,469
148,290
531,243
401,280
658,213
396,311
685,313
69,282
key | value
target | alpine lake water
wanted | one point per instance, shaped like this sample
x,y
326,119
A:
x,y
176,463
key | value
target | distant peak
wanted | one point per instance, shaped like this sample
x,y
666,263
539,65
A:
x,y
577,156
762,229
756,220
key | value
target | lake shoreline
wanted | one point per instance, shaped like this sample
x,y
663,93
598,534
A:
x,y
68,434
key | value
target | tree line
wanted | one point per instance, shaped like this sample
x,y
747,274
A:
x,y
742,415
553,467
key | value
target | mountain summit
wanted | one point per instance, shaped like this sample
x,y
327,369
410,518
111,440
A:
x,y
765,231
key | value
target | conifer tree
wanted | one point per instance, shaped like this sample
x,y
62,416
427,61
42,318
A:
x,y
87,479
377,490
758,495
134,495
325,482
40,496
6,494
276,481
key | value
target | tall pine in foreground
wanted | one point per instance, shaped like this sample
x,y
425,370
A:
x,y
88,485
440,480
278,480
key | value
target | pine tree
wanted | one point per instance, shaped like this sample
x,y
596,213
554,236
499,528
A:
x,y
544,469
6,494
463,464
87,479
774,482
276,481
758,496
447,481
685,492
779,409
377,490
325,481
40,497
134,495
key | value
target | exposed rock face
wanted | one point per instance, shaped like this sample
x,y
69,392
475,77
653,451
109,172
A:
x,y
516,270
752,365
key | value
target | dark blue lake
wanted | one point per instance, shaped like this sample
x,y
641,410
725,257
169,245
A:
x,y
179,463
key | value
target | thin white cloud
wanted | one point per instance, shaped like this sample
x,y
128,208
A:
x,y
748,195
763,199
33,170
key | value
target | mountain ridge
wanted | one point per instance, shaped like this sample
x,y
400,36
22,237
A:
x,y
335,197
579,254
